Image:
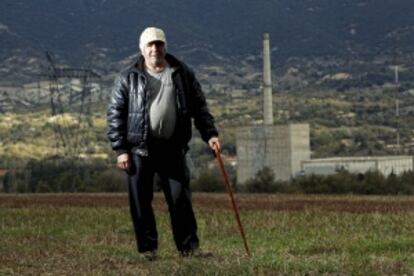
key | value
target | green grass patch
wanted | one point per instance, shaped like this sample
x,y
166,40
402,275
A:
x,y
100,241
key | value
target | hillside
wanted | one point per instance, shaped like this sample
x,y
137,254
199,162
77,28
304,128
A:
x,y
206,32
332,63
357,122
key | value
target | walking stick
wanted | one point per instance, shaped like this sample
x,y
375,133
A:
x,y
230,192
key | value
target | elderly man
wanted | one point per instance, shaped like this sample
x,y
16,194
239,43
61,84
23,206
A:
x,y
149,126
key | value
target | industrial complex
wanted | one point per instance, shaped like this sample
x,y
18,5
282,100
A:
x,y
285,149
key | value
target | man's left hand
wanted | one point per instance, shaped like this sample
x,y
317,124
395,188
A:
x,y
214,142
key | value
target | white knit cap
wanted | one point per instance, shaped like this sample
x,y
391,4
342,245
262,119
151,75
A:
x,y
151,34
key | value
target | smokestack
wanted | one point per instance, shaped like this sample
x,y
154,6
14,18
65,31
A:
x,y
267,82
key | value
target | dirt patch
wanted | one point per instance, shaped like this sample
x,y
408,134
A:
x,y
205,201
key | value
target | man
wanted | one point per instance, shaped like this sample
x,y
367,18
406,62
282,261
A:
x,y
149,127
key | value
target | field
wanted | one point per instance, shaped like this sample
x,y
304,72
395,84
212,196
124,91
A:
x,y
91,234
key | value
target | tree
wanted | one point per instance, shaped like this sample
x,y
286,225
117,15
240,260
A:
x,y
263,182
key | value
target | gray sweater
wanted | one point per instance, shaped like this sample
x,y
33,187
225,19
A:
x,y
163,111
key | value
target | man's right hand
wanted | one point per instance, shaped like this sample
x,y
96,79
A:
x,y
123,161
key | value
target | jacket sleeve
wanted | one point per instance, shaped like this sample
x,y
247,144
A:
x,y
203,120
117,116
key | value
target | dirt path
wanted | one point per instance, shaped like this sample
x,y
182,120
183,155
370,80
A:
x,y
205,201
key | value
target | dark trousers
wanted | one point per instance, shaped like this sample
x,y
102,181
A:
x,y
172,169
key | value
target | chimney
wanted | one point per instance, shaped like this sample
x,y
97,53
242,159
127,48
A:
x,y
267,83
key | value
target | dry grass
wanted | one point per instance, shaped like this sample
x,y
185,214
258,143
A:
x,y
91,234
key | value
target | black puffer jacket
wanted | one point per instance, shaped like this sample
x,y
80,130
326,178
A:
x,y
128,110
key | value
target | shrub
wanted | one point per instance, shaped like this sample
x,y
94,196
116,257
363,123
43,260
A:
x,y
110,180
312,184
263,182
208,181
373,183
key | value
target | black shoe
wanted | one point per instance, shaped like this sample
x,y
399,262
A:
x,y
197,253
149,255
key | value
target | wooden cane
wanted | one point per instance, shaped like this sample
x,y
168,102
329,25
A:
x,y
230,192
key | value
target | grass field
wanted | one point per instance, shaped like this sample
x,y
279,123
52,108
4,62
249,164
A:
x,y
91,234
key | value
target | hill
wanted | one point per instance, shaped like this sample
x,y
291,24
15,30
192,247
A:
x,y
217,31
332,60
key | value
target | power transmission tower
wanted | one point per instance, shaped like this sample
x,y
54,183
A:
x,y
64,103
70,108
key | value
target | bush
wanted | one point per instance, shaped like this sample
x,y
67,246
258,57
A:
x,y
312,184
208,181
373,183
110,180
263,182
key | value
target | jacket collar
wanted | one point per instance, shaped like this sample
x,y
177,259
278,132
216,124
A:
x,y
172,61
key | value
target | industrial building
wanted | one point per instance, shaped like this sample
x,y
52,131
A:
x,y
383,164
282,148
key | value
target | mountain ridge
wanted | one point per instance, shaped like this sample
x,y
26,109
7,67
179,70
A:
x,y
234,28
316,37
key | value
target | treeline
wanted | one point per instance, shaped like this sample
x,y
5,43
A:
x,y
57,175
343,182
62,175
